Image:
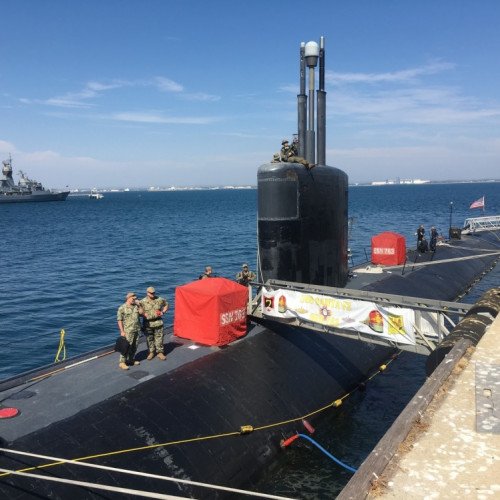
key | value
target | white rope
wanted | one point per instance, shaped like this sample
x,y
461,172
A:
x,y
142,474
443,261
141,493
468,248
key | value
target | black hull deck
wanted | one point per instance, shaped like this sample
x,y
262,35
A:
x,y
423,277
95,408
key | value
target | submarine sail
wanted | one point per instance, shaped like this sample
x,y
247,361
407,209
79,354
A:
x,y
302,207
302,224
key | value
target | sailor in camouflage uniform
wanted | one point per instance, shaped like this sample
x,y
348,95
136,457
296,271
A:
x,y
154,308
289,154
128,315
245,275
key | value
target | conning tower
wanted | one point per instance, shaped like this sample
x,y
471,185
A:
x,y
302,211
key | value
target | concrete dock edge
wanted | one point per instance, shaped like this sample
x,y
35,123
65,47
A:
x,y
446,442
370,471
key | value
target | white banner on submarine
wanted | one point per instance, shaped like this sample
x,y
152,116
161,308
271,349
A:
x,y
394,323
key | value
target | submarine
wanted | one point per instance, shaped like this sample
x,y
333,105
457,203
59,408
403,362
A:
x,y
209,420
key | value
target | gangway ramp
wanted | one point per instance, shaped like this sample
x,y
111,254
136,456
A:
x,y
408,323
478,224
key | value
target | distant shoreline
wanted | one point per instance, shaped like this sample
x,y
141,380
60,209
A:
x,y
425,183
86,191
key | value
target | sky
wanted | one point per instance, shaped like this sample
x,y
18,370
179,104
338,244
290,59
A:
x,y
139,93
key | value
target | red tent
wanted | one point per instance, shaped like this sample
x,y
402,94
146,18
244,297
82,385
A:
x,y
211,311
388,249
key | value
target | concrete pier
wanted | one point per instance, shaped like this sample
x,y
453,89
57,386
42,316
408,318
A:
x,y
453,447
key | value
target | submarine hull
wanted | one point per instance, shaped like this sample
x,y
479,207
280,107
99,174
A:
x,y
158,416
257,382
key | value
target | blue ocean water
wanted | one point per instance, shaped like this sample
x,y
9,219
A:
x,y
69,265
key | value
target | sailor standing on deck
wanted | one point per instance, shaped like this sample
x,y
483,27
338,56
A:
x,y
434,235
207,273
245,275
128,322
154,308
420,234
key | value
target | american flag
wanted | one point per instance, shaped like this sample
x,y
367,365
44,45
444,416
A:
x,y
478,203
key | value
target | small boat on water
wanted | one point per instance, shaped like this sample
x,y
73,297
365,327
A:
x,y
26,189
94,195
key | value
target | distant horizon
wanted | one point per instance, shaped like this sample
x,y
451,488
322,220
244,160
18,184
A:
x,y
254,186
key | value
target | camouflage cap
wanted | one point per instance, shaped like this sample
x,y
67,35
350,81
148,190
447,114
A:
x,y
244,265
284,141
130,294
150,289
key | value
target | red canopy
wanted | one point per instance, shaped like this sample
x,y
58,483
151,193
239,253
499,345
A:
x,y
388,249
211,311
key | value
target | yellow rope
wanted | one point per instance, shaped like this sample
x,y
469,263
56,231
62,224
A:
x,y
62,347
130,450
245,429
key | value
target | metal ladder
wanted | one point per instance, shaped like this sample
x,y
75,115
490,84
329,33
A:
x,y
475,224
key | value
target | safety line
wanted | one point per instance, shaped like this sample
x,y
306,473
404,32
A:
x,y
67,367
62,347
130,450
333,404
147,494
243,429
474,249
39,378
443,261
141,474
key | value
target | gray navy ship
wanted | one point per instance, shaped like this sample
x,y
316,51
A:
x,y
26,189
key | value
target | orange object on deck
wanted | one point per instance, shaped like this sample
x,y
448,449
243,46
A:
x,y
211,311
287,442
308,426
388,249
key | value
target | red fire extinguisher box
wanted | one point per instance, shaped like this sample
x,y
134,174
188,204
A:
x,y
212,311
388,249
